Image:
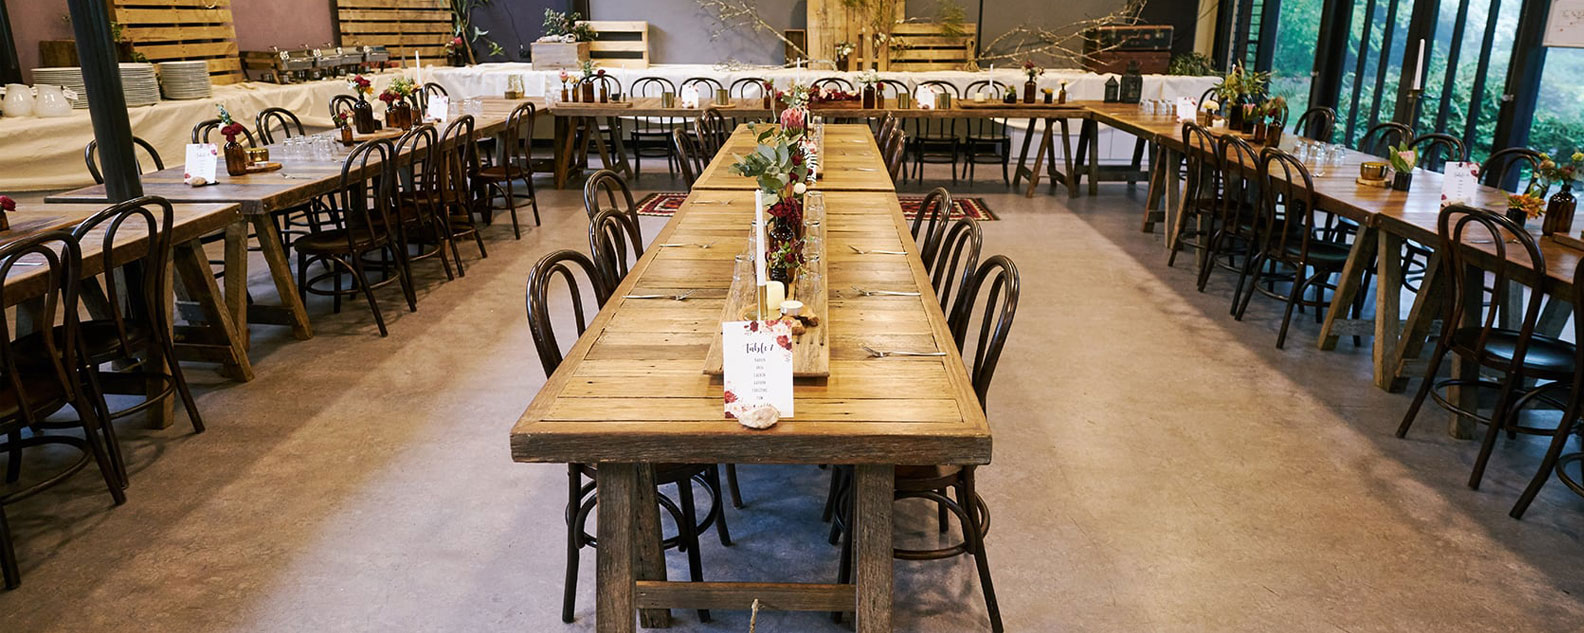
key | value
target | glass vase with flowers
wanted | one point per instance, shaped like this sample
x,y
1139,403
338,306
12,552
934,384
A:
x,y
398,112
1033,72
235,154
1560,208
1522,207
362,112
781,171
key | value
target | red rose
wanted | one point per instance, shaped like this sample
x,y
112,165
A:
x,y
600,72
784,342
7,204
729,415
730,397
387,97
362,82
753,326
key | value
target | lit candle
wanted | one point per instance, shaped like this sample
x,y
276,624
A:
x,y
1419,67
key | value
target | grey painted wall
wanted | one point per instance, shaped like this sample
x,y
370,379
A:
x,y
680,30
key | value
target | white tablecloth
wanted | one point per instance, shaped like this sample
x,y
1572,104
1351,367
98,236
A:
x,y
46,154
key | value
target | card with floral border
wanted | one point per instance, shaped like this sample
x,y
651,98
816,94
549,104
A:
x,y
757,363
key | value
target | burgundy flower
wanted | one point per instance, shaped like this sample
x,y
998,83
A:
x,y
362,81
730,398
753,326
7,204
785,342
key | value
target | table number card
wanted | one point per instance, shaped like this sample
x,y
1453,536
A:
x,y
1460,184
756,360
439,108
201,161
690,97
1187,110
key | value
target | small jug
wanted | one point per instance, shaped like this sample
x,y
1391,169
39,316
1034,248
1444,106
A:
x,y
51,102
18,100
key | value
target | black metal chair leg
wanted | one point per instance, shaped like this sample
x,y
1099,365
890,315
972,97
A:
x,y
689,528
973,532
569,586
8,559
731,485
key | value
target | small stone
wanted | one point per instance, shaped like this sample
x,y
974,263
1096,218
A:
x,y
763,416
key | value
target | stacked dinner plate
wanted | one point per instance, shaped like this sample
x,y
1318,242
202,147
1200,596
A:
x,y
139,84
185,80
69,78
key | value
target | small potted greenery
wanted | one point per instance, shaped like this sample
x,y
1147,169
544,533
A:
x,y
565,43
1403,159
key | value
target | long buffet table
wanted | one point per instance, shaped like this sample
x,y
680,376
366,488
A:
x,y
47,154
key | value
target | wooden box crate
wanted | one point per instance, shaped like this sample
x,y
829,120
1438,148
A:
x,y
927,46
403,27
183,30
559,55
620,44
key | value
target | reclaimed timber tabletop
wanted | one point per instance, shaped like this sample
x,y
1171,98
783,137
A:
x,y
850,161
633,388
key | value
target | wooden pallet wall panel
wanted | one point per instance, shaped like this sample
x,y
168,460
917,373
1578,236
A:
x,y
620,44
927,46
403,27
183,30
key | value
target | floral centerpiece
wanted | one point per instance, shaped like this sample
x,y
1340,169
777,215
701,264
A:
x,y
398,112
869,81
590,75
235,154
362,112
781,170
566,27
456,51
1559,211
343,122
844,51
1032,71
1238,87
566,86
1403,159
1522,207
1270,125
7,205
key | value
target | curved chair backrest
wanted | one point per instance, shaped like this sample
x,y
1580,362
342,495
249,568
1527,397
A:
x,y
998,281
1384,136
943,86
740,88
895,156
890,88
341,103
929,225
652,86
146,220
202,131
832,83
689,154
1208,95
56,256
1504,168
1237,166
432,89
1316,123
882,127
270,118
91,157
612,235
563,264
617,195
712,132
419,176
365,194
1477,241
1287,186
1436,149
706,86
519,136
458,160
1200,164
994,88
957,258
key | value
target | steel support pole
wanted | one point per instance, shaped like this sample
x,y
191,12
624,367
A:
x,y
106,103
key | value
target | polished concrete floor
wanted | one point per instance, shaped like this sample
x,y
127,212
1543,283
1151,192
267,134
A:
x,y
1158,467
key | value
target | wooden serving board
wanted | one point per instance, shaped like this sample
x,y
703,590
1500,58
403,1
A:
x,y
1570,241
385,133
810,350
259,168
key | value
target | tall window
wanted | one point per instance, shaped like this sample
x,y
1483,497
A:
x,y
1293,39
1467,70
1558,126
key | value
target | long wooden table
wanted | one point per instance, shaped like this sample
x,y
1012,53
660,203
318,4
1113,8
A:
x,y
849,161
214,338
260,195
632,392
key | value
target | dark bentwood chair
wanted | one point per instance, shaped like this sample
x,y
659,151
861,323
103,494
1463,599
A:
x,y
269,119
417,208
929,225
50,382
131,335
936,140
1316,123
462,192
651,136
689,154
712,131
614,189
1505,168
612,238
987,137
1437,149
1476,262
997,281
1201,194
956,260
1570,393
518,166
1232,237
91,158
365,227
204,129
1289,239
568,266
341,103
1383,136
896,156
832,83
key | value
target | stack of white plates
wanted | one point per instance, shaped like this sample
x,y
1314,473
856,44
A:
x,y
185,80
69,78
139,84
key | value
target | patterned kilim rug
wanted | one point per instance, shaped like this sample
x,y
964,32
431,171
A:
x,y
665,204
